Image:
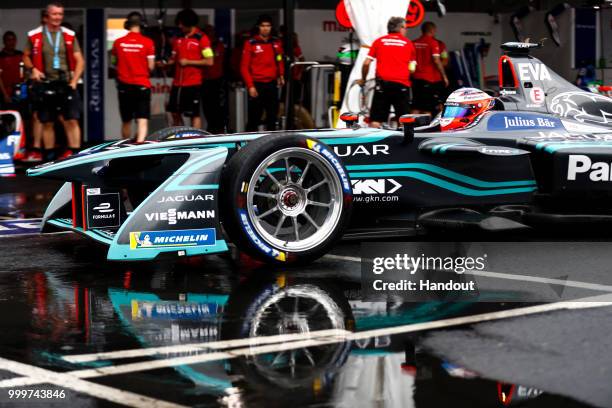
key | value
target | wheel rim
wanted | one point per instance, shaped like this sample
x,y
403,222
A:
x,y
294,199
294,310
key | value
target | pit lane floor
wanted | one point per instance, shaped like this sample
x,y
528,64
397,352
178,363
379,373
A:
x,y
163,334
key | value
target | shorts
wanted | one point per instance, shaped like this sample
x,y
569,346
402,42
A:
x,y
428,95
134,101
57,98
189,103
387,94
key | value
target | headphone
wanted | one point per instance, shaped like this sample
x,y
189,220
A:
x,y
133,19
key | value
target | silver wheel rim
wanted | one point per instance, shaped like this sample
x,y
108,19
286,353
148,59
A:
x,y
294,199
297,309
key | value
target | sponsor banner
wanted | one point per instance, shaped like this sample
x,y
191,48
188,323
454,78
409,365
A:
x,y
94,74
178,238
331,157
173,310
522,121
7,168
19,227
375,186
581,167
259,243
361,150
484,271
172,216
499,151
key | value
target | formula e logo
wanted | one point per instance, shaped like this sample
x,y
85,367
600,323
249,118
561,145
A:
x,y
348,150
375,186
172,216
533,72
104,208
581,164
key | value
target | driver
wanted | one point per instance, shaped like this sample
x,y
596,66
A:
x,y
464,108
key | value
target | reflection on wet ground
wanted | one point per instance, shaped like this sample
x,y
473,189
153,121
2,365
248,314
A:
x,y
59,297
23,197
62,304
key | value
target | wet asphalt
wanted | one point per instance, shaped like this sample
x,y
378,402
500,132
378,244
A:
x,y
60,297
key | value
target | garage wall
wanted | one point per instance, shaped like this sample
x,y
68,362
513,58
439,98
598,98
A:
x,y
320,35
557,58
456,29
20,21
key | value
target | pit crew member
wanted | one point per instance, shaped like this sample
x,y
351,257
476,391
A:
x,y
263,73
53,54
10,75
395,60
190,53
135,59
430,80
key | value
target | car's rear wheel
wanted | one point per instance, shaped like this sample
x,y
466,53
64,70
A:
x,y
286,198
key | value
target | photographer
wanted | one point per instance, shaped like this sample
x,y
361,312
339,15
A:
x,y
54,56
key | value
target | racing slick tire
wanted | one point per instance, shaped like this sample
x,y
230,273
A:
x,y
276,305
285,199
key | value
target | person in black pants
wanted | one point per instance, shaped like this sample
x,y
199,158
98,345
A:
x,y
263,73
395,60
214,95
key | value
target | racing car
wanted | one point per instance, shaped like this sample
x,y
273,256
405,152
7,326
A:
x,y
541,152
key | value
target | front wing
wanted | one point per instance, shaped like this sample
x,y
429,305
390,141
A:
x,y
179,217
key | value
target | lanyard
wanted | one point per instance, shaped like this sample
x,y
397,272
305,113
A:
x,y
56,59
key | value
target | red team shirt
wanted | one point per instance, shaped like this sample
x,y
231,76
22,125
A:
x,y
9,69
393,54
427,48
192,47
262,60
132,52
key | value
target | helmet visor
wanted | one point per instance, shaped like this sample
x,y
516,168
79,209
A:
x,y
457,111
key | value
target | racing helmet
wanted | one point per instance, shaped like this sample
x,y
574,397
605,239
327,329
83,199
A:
x,y
464,107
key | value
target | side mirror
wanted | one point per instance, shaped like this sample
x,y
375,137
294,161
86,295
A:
x,y
350,118
411,121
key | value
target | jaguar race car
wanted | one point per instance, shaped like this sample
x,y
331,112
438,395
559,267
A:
x,y
542,153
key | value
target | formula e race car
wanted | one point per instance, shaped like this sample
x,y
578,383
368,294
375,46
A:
x,y
543,154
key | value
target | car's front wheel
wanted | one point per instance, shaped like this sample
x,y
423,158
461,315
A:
x,y
285,198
